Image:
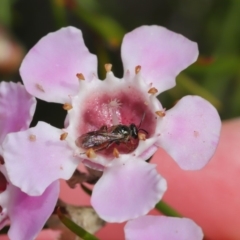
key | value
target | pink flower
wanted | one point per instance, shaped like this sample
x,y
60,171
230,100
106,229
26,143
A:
x,y
27,214
162,228
54,70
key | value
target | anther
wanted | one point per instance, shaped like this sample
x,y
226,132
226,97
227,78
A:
x,y
40,87
90,153
142,136
63,136
152,90
80,76
32,138
137,69
67,106
108,67
115,153
161,113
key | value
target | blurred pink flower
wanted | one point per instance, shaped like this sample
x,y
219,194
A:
x,y
45,234
210,196
152,57
11,51
26,214
162,228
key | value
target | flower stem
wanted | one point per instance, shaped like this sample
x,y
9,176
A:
x,y
78,230
165,209
86,189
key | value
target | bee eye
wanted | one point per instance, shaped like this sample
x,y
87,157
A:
x,y
126,133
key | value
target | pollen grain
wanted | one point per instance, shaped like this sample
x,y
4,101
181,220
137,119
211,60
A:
x,y
32,138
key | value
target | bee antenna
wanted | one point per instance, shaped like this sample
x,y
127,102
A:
x,y
143,116
143,130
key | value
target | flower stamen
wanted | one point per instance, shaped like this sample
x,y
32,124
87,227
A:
x,y
108,67
152,90
63,136
161,113
137,69
80,76
115,153
90,153
142,136
67,106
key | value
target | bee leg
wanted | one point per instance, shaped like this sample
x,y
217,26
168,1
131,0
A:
x,y
102,147
127,145
111,143
105,147
103,128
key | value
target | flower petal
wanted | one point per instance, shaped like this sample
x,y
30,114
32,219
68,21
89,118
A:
x,y
49,69
161,53
128,189
17,107
29,214
162,228
4,219
36,157
190,132
149,152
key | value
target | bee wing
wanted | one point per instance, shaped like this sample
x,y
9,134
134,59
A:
x,y
87,141
112,136
97,138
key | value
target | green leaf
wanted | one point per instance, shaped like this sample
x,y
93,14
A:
x,y
79,231
220,65
5,12
194,88
105,26
229,39
59,13
235,99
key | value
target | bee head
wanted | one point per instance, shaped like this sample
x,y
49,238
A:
x,y
124,130
134,130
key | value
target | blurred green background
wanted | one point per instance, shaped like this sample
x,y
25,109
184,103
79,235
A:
x,y
214,24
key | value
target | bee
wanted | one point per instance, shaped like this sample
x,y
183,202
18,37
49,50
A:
x,y
106,136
